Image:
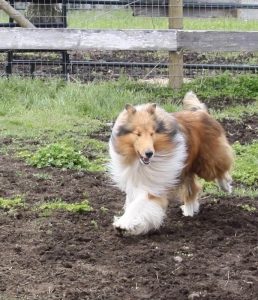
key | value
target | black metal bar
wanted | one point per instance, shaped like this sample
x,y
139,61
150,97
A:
x,y
32,69
139,64
65,63
64,12
8,67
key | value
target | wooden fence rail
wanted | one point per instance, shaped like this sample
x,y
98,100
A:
x,y
167,40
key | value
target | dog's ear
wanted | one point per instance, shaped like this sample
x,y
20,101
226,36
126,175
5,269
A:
x,y
130,109
151,108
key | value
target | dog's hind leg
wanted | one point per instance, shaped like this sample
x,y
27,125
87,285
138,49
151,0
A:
x,y
225,182
188,193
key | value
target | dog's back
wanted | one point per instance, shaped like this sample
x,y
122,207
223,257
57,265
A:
x,y
209,154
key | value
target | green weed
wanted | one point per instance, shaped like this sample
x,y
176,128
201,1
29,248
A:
x,y
246,165
59,155
103,209
9,204
247,207
43,176
78,207
94,223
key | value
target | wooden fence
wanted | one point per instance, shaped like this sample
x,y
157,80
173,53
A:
x,y
173,40
168,40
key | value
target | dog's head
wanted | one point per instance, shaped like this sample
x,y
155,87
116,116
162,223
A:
x,y
143,130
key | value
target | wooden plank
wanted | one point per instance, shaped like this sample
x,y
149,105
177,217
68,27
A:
x,y
176,64
167,40
73,39
216,41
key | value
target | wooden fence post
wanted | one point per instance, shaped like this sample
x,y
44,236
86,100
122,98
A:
x,y
175,21
16,15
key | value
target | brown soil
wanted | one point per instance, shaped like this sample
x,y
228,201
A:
x,y
79,256
222,103
244,132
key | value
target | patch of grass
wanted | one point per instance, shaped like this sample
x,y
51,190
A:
x,y
212,89
78,207
245,171
210,188
246,165
236,112
124,19
103,209
43,176
247,207
30,108
9,204
94,223
59,155
40,109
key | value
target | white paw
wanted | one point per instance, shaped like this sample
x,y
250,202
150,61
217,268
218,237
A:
x,y
140,216
225,184
189,209
133,226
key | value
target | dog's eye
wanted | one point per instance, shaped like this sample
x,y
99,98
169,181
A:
x,y
138,134
152,133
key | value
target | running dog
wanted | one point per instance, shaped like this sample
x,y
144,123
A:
x,y
155,153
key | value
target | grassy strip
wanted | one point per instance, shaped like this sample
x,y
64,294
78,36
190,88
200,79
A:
x,y
78,207
28,107
246,167
63,156
124,19
65,115
9,204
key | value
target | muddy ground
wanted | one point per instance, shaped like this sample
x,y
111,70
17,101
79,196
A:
x,y
79,256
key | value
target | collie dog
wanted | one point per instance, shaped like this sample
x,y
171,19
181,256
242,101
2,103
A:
x,y
155,154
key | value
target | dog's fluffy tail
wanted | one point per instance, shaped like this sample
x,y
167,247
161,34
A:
x,y
192,103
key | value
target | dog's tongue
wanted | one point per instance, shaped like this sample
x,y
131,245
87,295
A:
x,y
146,160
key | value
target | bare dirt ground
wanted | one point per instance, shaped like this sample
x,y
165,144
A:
x,y
79,256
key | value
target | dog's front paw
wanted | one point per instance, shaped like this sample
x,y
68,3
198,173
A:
x,y
190,209
133,227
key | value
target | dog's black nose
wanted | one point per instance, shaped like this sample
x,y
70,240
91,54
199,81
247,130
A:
x,y
149,154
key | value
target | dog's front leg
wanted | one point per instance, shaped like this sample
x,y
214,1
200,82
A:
x,y
144,213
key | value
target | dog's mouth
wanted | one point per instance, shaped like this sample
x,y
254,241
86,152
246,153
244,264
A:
x,y
144,160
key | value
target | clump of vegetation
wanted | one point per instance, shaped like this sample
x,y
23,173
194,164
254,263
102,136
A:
x,y
77,207
248,207
220,86
246,165
42,176
59,155
9,204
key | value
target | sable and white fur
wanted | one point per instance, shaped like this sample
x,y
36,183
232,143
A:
x,y
154,153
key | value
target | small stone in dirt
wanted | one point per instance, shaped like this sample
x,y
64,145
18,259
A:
x,y
67,265
17,248
193,296
78,175
178,259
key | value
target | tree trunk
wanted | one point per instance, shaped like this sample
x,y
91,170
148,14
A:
x,y
44,12
15,14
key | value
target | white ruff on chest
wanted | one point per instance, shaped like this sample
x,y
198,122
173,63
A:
x,y
138,181
157,177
